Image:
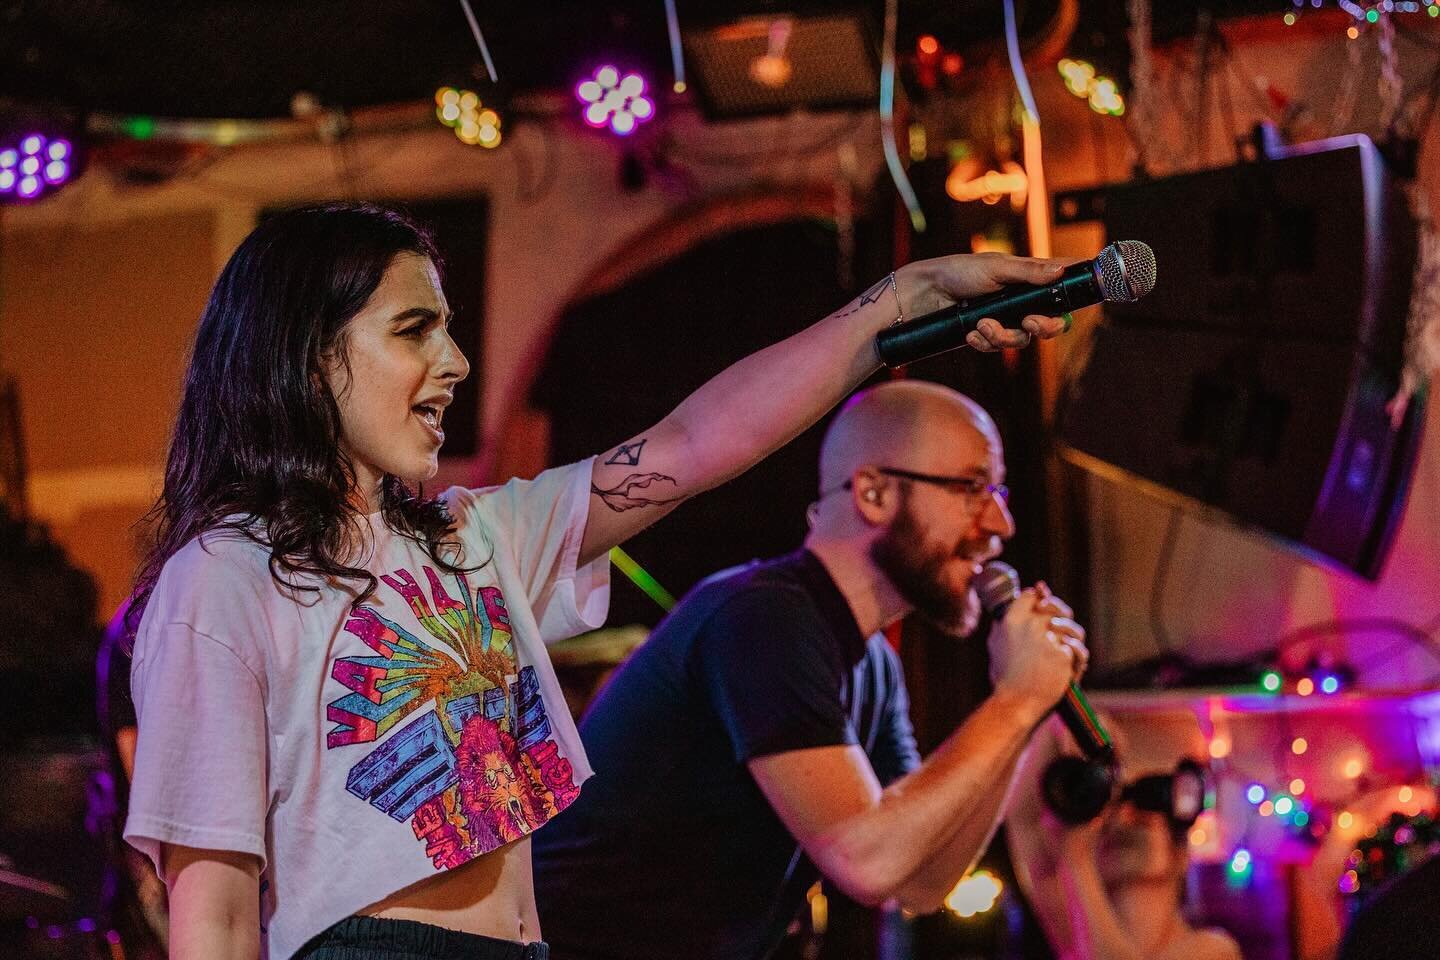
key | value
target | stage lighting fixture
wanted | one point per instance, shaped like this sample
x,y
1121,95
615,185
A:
x,y
614,101
1082,80
462,111
975,894
33,165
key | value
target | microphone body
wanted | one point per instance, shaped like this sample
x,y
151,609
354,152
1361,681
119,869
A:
x,y
999,587
1123,272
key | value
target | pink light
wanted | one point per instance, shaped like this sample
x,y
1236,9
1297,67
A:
x,y
29,187
8,158
56,171
615,101
59,149
32,144
7,181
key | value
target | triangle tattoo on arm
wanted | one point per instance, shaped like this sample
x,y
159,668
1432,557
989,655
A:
x,y
628,455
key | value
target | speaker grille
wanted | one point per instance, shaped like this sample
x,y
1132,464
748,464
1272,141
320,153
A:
x,y
828,63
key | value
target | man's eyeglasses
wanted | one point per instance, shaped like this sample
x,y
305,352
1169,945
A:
x,y
972,487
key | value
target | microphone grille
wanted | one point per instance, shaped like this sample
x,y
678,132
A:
x,y
997,584
1127,270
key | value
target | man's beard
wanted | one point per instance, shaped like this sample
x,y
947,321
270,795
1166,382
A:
x,y
915,568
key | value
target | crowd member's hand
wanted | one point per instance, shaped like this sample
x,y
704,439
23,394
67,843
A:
x,y
1036,649
928,285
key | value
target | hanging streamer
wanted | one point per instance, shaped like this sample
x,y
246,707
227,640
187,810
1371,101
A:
x,y
480,40
1017,64
677,59
887,121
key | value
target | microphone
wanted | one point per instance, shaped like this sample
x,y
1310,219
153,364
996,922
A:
x,y
998,586
1122,273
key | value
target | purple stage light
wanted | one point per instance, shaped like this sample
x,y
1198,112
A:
x,y
35,166
615,101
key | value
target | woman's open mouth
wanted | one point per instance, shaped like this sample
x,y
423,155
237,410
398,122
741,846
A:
x,y
430,416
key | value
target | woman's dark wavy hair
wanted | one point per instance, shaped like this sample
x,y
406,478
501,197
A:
x,y
256,446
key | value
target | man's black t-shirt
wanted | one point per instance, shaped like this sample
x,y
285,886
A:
x,y
672,850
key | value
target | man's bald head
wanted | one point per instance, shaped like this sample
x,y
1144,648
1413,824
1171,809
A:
x,y
911,424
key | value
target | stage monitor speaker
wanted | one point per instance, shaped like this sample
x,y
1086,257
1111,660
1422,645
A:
x,y
1254,379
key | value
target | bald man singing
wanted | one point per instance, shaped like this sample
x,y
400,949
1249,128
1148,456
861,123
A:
x,y
761,736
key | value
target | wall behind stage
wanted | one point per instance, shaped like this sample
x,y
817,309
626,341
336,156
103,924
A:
x,y
97,338
101,286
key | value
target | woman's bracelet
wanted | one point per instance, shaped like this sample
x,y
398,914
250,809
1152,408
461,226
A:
x,y
899,307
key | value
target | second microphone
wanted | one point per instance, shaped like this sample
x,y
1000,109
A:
x,y
998,586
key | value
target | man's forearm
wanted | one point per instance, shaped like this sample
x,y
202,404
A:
x,y
927,888
922,814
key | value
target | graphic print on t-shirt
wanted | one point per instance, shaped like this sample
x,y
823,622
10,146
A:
x,y
478,768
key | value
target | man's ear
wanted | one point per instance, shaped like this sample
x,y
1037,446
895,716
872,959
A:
x,y
873,500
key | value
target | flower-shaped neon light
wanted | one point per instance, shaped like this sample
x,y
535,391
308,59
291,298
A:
x,y
618,103
35,166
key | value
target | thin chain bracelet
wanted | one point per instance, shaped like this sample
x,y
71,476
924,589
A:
x,y
899,307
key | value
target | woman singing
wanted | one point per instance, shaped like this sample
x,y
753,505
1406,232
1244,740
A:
x,y
348,723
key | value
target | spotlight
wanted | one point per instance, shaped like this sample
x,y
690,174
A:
x,y
473,123
619,103
974,894
33,165
1102,92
